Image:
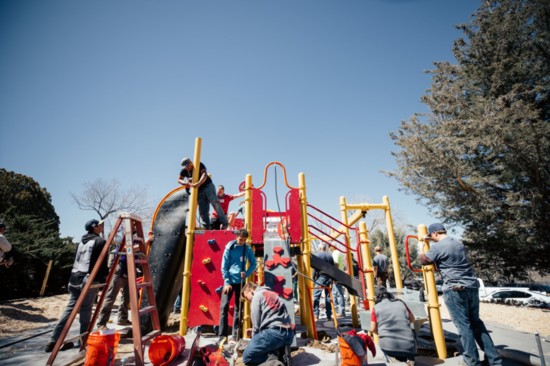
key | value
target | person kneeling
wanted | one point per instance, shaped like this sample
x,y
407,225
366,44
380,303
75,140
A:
x,y
272,328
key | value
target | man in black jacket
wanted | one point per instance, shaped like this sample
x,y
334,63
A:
x,y
87,254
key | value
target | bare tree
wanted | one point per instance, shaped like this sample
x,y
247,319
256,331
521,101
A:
x,y
106,198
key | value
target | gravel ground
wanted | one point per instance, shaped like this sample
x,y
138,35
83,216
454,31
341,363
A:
x,y
17,316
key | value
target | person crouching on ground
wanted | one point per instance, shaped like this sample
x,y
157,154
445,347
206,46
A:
x,y
391,319
272,328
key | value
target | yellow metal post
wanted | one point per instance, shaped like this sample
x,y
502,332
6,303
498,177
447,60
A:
x,y
352,299
188,260
393,246
367,262
246,323
433,302
304,264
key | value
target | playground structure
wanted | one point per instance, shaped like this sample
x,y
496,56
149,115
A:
x,y
188,258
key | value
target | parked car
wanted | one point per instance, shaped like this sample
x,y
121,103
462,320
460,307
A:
x,y
540,288
413,284
518,296
535,287
487,290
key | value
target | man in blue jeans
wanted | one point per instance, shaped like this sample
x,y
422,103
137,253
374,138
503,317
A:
x,y
322,283
207,193
461,294
87,254
272,328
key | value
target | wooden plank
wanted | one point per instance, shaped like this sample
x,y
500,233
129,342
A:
x,y
351,283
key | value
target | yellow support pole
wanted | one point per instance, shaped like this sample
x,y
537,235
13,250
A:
x,y
246,322
188,260
393,246
352,299
433,301
366,259
304,265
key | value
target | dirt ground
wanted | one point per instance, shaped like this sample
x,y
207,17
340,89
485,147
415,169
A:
x,y
18,316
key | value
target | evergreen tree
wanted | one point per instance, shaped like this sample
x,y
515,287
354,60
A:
x,y
33,230
481,158
380,237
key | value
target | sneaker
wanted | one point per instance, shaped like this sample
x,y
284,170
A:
x,y
49,347
102,327
124,322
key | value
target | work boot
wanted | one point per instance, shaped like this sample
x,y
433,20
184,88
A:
x,y
66,346
124,322
49,347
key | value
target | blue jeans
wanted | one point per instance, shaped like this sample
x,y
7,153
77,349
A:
x,y
339,300
264,343
177,303
85,311
463,307
322,281
208,196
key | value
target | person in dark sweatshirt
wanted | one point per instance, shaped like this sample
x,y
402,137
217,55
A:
x,y
87,255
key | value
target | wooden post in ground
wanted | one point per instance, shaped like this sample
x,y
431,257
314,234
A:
x,y
46,278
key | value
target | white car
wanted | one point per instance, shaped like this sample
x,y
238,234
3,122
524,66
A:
x,y
518,296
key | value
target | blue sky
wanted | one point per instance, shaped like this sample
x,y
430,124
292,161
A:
x,y
121,89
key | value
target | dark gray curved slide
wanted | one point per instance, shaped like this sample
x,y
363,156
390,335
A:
x,y
166,256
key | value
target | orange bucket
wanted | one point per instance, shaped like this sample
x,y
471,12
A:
x,y
102,348
348,357
166,348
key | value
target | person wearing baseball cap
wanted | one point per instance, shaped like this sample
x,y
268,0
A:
x,y
87,255
461,294
207,193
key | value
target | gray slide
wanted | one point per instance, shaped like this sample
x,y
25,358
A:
x,y
166,257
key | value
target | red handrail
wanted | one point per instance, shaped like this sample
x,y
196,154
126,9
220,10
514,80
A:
x,y
409,255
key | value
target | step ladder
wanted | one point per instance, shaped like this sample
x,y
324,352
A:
x,y
134,248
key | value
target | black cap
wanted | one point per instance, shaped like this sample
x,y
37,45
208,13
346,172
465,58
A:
x,y
185,162
435,228
92,223
2,225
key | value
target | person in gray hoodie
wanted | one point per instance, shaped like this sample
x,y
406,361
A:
x,y
272,328
87,255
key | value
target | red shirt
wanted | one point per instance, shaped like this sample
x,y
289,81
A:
x,y
224,202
